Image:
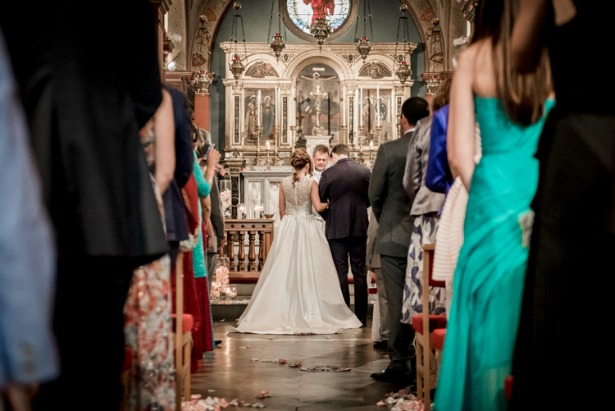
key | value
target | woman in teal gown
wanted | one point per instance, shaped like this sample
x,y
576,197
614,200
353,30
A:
x,y
510,110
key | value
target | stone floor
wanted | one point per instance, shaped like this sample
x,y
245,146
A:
x,y
245,364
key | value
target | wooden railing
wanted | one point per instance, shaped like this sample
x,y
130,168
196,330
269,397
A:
x,y
247,245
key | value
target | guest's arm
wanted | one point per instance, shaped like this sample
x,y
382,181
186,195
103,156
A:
x,y
164,146
461,129
377,182
213,158
413,174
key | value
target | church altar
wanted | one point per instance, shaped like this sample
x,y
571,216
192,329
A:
x,y
259,186
306,97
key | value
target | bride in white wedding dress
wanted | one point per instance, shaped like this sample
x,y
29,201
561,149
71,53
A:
x,y
298,291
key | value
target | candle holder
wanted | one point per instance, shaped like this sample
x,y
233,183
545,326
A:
x,y
258,210
360,137
258,145
276,156
378,133
241,211
268,166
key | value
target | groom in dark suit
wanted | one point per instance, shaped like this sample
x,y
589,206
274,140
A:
x,y
345,186
391,206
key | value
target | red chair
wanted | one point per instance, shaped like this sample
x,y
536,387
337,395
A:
x,y
508,387
424,325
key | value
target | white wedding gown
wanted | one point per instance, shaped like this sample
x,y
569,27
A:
x,y
298,291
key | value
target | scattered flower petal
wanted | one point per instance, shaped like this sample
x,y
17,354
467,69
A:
x,y
325,368
263,394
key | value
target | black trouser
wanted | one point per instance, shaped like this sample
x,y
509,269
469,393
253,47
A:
x,y
352,249
89,327
401,335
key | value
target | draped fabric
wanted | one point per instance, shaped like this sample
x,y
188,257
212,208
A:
x,y
491,267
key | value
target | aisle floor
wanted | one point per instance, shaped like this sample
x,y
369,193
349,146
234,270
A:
x,y
246,364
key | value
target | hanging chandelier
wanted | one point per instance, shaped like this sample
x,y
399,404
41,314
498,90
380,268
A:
x,y
320,30
236,65
202,52
403,71
363,44
202,79
277,43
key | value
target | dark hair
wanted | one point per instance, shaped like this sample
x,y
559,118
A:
x,y
443,94
523,96
298,161
341,149
201,137
414,109
320,148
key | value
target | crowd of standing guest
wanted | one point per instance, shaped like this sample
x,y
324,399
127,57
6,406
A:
x,y
109,147
127,199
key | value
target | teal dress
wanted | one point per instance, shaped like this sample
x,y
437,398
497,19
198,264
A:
x,y
490,271
198,253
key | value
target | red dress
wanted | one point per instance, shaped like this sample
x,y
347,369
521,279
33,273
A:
x,y
193,289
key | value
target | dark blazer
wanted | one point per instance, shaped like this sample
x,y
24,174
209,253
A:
x,y
389,200
174,207
344,185
85,117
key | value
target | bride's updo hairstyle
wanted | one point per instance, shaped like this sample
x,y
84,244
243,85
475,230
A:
x,y
299,160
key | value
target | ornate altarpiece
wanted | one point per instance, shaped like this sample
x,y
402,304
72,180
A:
x,y
309,96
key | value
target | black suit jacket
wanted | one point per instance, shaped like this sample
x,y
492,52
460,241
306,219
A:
x,y
345,186
85,117
389,200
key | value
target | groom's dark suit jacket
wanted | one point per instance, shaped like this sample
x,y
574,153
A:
x,y
345,186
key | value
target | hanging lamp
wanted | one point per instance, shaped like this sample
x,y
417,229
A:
x,y
403,71
236,65
363,44
277,42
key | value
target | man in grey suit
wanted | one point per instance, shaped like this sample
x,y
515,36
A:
x,y
391,206
344,185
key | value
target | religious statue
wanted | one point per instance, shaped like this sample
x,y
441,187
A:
x,y
320,8
251,129
268,118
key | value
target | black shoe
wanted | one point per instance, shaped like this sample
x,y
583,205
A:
x,y
381,344
391,375
217,342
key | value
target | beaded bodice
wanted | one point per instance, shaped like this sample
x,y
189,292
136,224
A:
x,y
297,197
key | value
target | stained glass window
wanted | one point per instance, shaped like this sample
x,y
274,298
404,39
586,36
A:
x,y
302,13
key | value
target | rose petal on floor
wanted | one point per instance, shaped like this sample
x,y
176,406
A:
x,y
318,368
